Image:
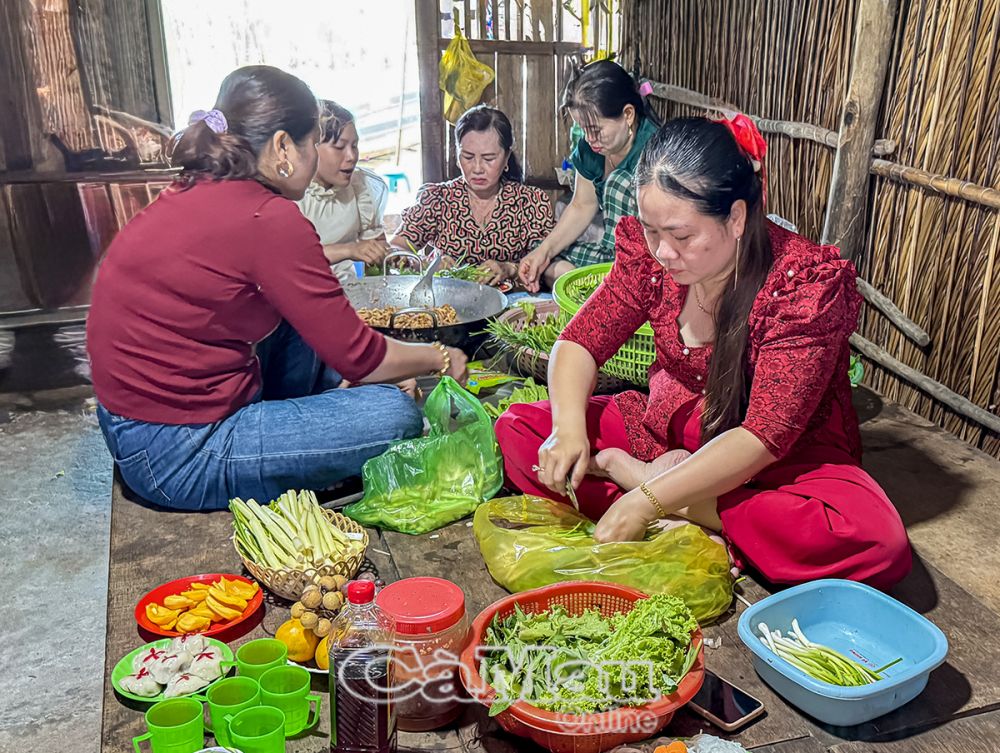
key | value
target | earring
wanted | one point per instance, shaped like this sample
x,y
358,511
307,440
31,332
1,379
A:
x,y
736,272
285,168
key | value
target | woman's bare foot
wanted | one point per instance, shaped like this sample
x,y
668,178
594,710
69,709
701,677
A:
x,y
628,472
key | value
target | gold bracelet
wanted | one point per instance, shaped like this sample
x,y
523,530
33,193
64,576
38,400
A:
x,y
653,500
447,359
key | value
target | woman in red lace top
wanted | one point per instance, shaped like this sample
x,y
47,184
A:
x,y
748,428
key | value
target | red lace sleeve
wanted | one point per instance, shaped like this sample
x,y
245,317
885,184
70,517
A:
x,y
799,331
620,304
419,223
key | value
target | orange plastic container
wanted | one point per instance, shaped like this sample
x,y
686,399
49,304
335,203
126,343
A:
x,y
576,733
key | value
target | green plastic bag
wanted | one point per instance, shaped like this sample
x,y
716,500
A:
x,y
529,542
419,485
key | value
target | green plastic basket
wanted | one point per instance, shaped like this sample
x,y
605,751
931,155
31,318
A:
x,y
632,362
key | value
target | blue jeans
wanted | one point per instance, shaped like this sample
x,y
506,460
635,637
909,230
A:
x,y
300,433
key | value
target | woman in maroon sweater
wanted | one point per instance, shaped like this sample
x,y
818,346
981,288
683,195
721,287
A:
x,y
217,334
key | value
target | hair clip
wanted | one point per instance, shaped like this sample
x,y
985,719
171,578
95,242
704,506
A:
x,y
214,119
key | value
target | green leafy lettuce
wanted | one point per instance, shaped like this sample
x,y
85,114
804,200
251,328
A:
x,y
585,663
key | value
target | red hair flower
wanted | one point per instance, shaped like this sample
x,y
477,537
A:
x,y
748,138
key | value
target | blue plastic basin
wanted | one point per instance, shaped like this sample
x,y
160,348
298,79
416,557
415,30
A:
x,y
859,622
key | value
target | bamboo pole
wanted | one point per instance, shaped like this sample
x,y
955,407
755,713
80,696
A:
x,y
892,312
935,389
844,225
428,30
402,92
797,130
942,184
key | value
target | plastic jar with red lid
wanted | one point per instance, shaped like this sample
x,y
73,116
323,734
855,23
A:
x,y
431,630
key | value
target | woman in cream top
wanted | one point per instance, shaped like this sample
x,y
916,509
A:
x,y
345,203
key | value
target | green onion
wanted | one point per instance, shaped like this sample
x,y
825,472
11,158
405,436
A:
x,y
818,661
533,334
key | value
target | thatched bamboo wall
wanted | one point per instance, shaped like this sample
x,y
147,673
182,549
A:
x,y
779,59
935,256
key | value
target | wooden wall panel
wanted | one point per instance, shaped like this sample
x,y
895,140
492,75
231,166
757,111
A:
x,y
522,40
510,96
20,114
116,55
12,295
65,113
51,243
540,152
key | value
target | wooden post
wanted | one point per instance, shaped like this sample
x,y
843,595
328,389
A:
x,y
428,27
158,62
402,93
845,215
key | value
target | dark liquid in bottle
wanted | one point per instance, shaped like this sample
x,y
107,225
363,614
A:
x,y
364,719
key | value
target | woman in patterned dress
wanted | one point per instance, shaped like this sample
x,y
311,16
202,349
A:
x,y
748,428
616,123
488,216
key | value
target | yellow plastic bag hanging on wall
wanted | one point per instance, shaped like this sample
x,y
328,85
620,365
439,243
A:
x,y
529,542
461,77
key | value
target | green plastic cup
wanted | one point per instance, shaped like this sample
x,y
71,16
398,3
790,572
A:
x,y
225,698
175,726
256,657
287,688
259,729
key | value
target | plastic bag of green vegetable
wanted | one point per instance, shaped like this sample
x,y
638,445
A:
x,y
422,484
529,542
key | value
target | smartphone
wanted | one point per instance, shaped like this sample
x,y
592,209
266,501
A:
x,y
725,705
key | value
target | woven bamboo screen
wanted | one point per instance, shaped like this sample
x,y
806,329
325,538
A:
x,y
779,59
937,256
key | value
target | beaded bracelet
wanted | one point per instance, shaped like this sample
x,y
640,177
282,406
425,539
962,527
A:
x,y
447,359
653,500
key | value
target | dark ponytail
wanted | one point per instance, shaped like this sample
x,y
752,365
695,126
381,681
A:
x,y
698,160
256,102
482,118
602,89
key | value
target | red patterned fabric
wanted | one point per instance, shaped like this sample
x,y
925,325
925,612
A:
x,y
443,217
814,514
797,356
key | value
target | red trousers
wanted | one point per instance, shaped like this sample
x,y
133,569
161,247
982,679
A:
x,y
812,515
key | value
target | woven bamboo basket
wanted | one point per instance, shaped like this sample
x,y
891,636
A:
x,y
289,584
535,363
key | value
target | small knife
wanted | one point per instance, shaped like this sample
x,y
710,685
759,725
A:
x,y
571,493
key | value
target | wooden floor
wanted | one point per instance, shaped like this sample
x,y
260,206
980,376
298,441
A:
x,y
947,493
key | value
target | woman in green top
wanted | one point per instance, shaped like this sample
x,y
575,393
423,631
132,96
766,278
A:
x,y
616,123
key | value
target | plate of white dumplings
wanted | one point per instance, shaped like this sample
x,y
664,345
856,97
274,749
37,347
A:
x,y
170,668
